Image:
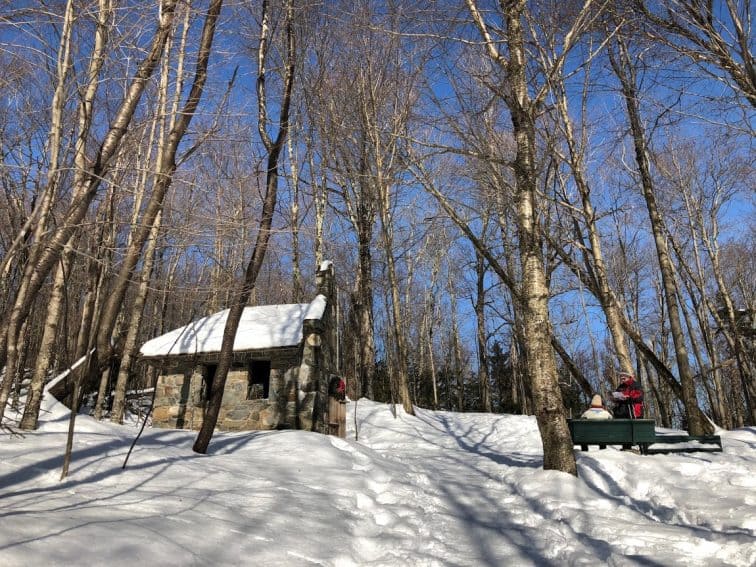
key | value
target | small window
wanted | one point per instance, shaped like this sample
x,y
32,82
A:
x,y
258,387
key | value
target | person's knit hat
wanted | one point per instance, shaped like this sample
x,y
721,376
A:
x,y
597,402
625,376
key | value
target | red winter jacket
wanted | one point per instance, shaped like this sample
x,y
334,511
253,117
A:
x,y
633,399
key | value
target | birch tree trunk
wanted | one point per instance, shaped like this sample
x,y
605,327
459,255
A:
x,y
298,292
130,347
47,344
166,168
86,188
321,200
536,325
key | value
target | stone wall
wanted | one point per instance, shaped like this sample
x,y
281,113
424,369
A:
x,y
179,402
177,399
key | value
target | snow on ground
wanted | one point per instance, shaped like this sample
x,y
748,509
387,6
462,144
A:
x,y
437,489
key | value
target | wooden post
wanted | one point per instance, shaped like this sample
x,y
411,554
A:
x,y
336,417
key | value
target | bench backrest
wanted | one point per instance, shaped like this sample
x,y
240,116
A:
x,y
609,431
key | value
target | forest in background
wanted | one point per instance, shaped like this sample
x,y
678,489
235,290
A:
x,y
521,199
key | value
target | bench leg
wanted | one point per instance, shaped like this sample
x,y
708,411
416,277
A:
x,y
602,447
583,447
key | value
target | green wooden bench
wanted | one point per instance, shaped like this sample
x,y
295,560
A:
x,y
603,432
640,432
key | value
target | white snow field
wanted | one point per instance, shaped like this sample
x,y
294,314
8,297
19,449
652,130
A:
x,y
437,489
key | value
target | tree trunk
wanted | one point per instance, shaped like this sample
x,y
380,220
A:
x,y
456,352
130,347
86,189
298,291
432,362
480,318
274,148
320,197
626,74
536,325
532,302
397,320
50,337
364,307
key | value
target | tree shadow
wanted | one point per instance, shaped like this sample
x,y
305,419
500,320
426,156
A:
x,y
653,511
487,519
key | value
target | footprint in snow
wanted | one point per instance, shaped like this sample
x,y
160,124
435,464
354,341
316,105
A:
x,y
362,463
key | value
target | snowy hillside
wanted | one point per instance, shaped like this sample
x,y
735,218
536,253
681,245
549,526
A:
x,y
439,489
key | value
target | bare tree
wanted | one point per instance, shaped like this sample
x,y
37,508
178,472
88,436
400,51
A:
x,y
586,220
714,35
524,107
274,146
166,167
360,104
55,303
86,187
705,185
626,73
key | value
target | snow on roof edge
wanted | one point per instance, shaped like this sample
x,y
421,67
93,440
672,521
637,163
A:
x,y
316,308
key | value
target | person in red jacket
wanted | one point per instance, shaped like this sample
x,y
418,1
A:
x,y
628,398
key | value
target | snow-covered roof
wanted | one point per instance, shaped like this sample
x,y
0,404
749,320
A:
x,y
264,326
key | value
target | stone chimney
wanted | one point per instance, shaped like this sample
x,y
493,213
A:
x,y
324,282
318,356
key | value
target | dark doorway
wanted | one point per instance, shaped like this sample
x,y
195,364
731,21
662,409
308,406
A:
x,y
207,381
